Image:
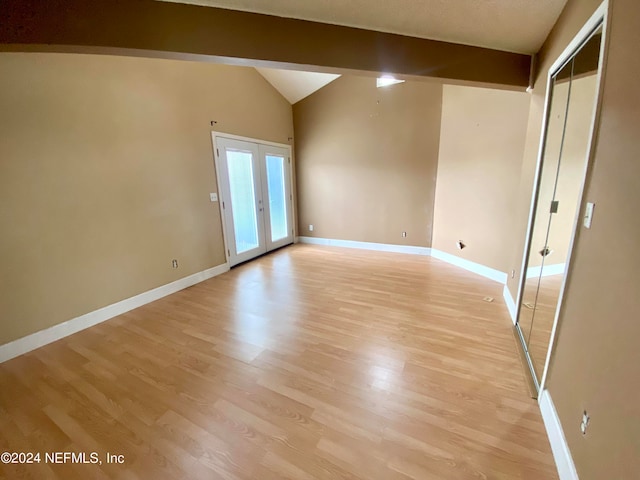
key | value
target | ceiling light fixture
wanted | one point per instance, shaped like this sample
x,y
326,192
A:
x,y
386,80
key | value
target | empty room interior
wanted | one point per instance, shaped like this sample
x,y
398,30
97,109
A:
x,y
319,240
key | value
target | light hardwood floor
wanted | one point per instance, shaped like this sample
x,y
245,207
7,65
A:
x,y
309,363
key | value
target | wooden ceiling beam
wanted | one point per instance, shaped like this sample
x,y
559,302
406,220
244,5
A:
x,y
173,30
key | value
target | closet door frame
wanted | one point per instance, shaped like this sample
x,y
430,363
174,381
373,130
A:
x,y
599,18
216,156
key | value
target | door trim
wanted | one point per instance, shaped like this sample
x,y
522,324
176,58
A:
x,y
230,136
599,17
229,212
216,159
272,150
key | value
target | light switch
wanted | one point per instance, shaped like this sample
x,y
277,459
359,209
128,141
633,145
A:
x,y
588,214
213,197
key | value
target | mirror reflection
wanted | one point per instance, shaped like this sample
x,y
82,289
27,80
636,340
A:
x,y
562,174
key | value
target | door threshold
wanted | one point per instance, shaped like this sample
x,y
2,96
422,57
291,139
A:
x,y
261,255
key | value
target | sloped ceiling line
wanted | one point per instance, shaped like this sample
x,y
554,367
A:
x,y
295,85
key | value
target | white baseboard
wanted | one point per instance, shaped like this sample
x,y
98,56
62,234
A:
x,y
547,270
64,329
559,447
488,272
474,267
511,304
381,247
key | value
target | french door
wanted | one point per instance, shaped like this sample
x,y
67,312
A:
x,y
256,199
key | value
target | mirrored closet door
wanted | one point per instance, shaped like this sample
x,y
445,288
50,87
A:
x,y
558,198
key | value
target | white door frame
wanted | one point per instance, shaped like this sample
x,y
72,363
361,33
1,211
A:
x,y
216,157
229,214
598,18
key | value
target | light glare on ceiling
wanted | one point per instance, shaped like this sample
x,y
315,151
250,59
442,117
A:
x,y
386,80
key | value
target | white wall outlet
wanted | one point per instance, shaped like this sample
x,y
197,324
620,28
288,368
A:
x,y
588,214
513,273
585,422
404,234
213,197
311,228
174,263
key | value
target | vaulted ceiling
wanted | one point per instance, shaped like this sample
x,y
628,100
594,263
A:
x,y
295,85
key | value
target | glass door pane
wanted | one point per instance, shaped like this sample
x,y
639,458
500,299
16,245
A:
x,y
275,166
276,189
256,200
241,185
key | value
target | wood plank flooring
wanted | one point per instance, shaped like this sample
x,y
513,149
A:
x,y
308,363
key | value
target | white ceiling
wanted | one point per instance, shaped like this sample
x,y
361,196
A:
x,y
512,25
295,85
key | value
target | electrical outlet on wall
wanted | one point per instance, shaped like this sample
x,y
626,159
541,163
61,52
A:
x,y
404,234
174,263
311,228
513,273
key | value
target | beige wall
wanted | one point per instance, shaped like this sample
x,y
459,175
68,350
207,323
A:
x,y
481,142
367,160
105,169
595,364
